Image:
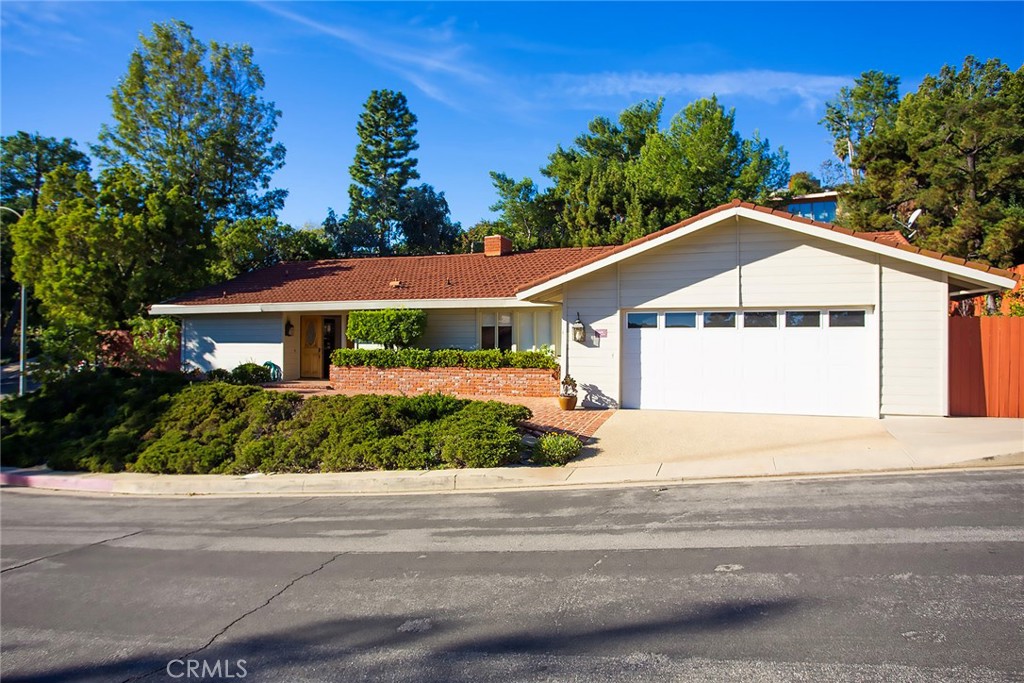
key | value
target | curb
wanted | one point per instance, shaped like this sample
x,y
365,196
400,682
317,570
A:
x,y
405,482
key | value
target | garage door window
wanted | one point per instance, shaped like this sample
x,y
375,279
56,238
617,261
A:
x,y
846,318
760,319
721,319
636,321
803,319
681,320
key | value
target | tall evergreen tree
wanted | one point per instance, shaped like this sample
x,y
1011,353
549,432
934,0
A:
x,y
189,117
427,226
956,151
382,169
25,159
857,113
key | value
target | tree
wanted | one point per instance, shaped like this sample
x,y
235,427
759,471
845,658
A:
x,y
426,222
188,117
623,180
25,159
858,113
804,182
956,151
701,162
382,169
523,215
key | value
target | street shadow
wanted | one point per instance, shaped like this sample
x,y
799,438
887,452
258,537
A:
x,y
428,647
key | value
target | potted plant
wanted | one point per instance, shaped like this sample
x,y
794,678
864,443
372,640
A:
x,y
567,394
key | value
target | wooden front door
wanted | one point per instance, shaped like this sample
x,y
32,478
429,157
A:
x,y
312,337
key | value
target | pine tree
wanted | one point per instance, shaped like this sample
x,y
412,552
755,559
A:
x,y
382,169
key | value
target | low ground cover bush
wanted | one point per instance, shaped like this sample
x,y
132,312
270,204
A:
x,y
106,422
443,358
555,449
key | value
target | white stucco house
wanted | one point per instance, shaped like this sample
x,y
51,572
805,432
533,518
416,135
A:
x,y
739,309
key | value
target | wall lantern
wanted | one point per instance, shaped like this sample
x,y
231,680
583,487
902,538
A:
x,y
288,328
579,330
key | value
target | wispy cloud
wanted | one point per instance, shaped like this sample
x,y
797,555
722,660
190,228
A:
x,y
429,57
763,85
33,27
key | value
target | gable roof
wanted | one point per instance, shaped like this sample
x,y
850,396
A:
x,y
442,281
392,278
890,243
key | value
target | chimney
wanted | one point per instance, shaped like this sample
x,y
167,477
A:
x,y
497,245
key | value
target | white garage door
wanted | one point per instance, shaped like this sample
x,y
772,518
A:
x,y
798,362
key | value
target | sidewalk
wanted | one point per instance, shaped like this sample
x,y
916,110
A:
x,y
858,446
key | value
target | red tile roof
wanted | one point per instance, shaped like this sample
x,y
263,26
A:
x,y
468,276
458,276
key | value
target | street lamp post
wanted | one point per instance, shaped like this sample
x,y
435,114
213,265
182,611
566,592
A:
x,y
21,347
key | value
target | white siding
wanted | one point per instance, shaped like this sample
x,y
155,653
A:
x,y
595,363
227,341
699,270
783,268
914,340
450,329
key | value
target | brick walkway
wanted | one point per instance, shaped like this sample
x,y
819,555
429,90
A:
x,y
547,416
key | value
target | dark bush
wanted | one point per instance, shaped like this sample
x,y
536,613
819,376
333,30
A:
x,y
87,421
205,423
219,375
251,374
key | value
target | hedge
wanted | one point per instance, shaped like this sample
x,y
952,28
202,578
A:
x,y
444,358
392,327
108,422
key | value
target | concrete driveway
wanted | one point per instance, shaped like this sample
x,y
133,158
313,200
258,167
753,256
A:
x,y
689,444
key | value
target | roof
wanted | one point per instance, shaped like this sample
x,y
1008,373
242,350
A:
x,y
391,278
474,276
887,238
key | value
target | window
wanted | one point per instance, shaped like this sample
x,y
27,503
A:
x,y
760,319
803,319
680,320
496,331
722,319
637,321
846,318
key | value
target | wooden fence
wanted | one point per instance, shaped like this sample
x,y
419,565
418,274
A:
x,y
986,367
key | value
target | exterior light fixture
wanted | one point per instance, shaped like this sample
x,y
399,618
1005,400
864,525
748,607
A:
x,y
579,330
289,329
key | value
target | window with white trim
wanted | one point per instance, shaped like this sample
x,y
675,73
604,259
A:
x,y
496,330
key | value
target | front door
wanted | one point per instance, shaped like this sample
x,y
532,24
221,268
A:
x,y
311,359
331,326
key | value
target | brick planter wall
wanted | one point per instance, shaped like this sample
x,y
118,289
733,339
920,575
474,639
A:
x,y
454,381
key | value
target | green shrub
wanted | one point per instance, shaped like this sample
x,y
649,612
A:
x,y
219,375
556,449
481,435
414,358
485,358
90,420
251,374
205,423
449,358
393,328
443,358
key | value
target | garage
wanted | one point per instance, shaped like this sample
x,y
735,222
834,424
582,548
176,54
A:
x,y
807,361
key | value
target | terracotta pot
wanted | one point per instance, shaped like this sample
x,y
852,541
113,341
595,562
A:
x,y
567,402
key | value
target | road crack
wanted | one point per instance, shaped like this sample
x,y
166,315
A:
x,y
70,550
254,610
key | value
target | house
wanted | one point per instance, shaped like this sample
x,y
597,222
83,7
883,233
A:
x,y
819,206
738,309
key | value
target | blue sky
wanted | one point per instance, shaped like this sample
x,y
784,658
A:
x,y
496,86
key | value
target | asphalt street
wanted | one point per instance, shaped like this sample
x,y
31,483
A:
x,y
895,578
